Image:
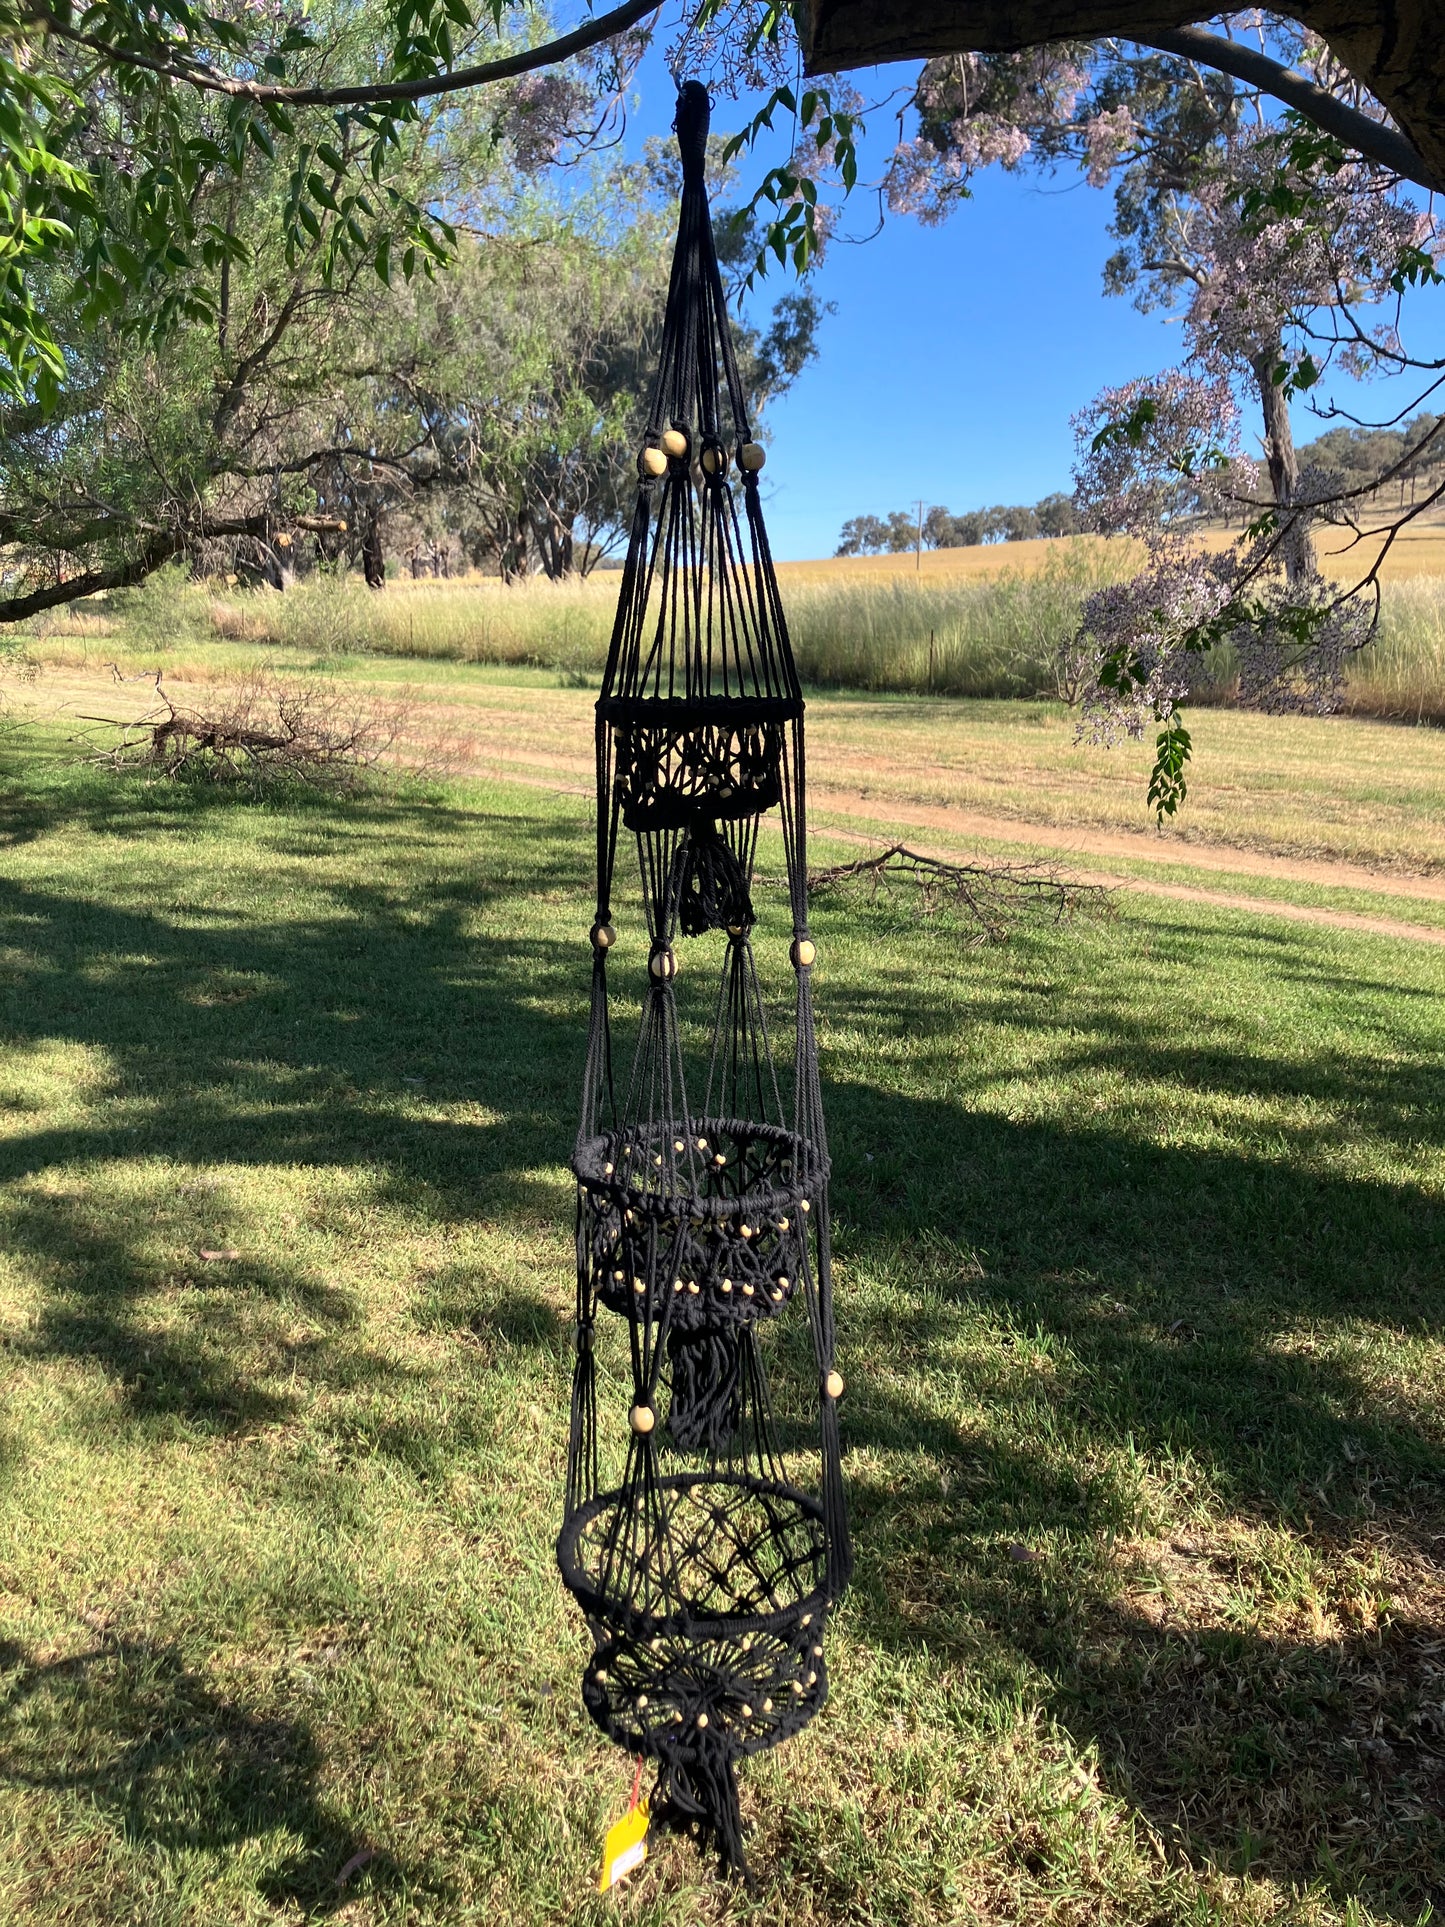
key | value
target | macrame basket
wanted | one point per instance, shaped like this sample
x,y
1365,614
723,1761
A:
x,y
704,1568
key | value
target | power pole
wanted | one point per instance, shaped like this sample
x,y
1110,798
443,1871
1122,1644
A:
x,y
918,565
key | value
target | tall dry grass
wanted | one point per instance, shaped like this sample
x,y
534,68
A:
x,y
1402,673
990,636
924,632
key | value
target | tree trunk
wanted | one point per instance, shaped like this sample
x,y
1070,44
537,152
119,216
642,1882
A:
x,y
373,556
1297,549
1396,48
512,547
555,543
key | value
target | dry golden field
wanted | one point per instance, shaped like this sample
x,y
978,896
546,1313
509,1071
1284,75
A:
x,y
1418,551
993,621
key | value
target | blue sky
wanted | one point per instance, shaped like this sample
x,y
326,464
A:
x,y
953,363
957,353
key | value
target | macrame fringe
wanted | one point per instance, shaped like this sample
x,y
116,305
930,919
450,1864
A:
x,y
698,1796
710,888
835,1510
707,1404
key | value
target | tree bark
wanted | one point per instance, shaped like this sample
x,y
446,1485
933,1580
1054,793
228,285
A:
x,y
1296,549
1396,48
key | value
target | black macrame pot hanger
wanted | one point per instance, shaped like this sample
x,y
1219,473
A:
x,y
704,1560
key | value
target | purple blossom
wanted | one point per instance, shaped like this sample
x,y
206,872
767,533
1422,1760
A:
x,y
1153,447
1108,135
544,109
1255,278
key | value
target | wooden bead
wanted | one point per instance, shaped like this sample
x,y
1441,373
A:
x,y
663,965
746,1710
803,953
603,936
674,442
751,457
833,1384
652,462
714,460
702,1719
642,1419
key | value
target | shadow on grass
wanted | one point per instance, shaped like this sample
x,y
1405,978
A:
x,y
1190,1305
127,1730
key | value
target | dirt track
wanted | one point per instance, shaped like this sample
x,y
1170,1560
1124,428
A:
x,y
529,749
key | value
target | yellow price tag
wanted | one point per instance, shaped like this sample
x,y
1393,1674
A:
x,y
625,1847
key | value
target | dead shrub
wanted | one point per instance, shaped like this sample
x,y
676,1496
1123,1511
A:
x,y
261,731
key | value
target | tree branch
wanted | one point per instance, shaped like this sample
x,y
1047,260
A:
x,y
1372,138
605,27
1392,47
122,576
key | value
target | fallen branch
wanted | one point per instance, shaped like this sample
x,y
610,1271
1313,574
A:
x,y
995,895
260,731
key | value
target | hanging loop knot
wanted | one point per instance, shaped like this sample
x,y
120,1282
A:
x,y
690,126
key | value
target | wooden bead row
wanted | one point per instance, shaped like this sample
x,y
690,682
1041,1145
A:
x,y
713,461
664,963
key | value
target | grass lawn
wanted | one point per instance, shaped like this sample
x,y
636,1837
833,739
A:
x,y
1141,1245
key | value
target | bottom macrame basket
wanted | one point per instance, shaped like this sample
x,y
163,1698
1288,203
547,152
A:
x,y
707,1602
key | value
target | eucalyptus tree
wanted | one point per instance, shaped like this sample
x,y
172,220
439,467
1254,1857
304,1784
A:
x,y
1285,256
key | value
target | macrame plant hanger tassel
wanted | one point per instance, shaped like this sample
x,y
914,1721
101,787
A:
x,y
705,1564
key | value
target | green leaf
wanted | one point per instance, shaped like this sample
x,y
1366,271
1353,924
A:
x,y
1168,785
1131,429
